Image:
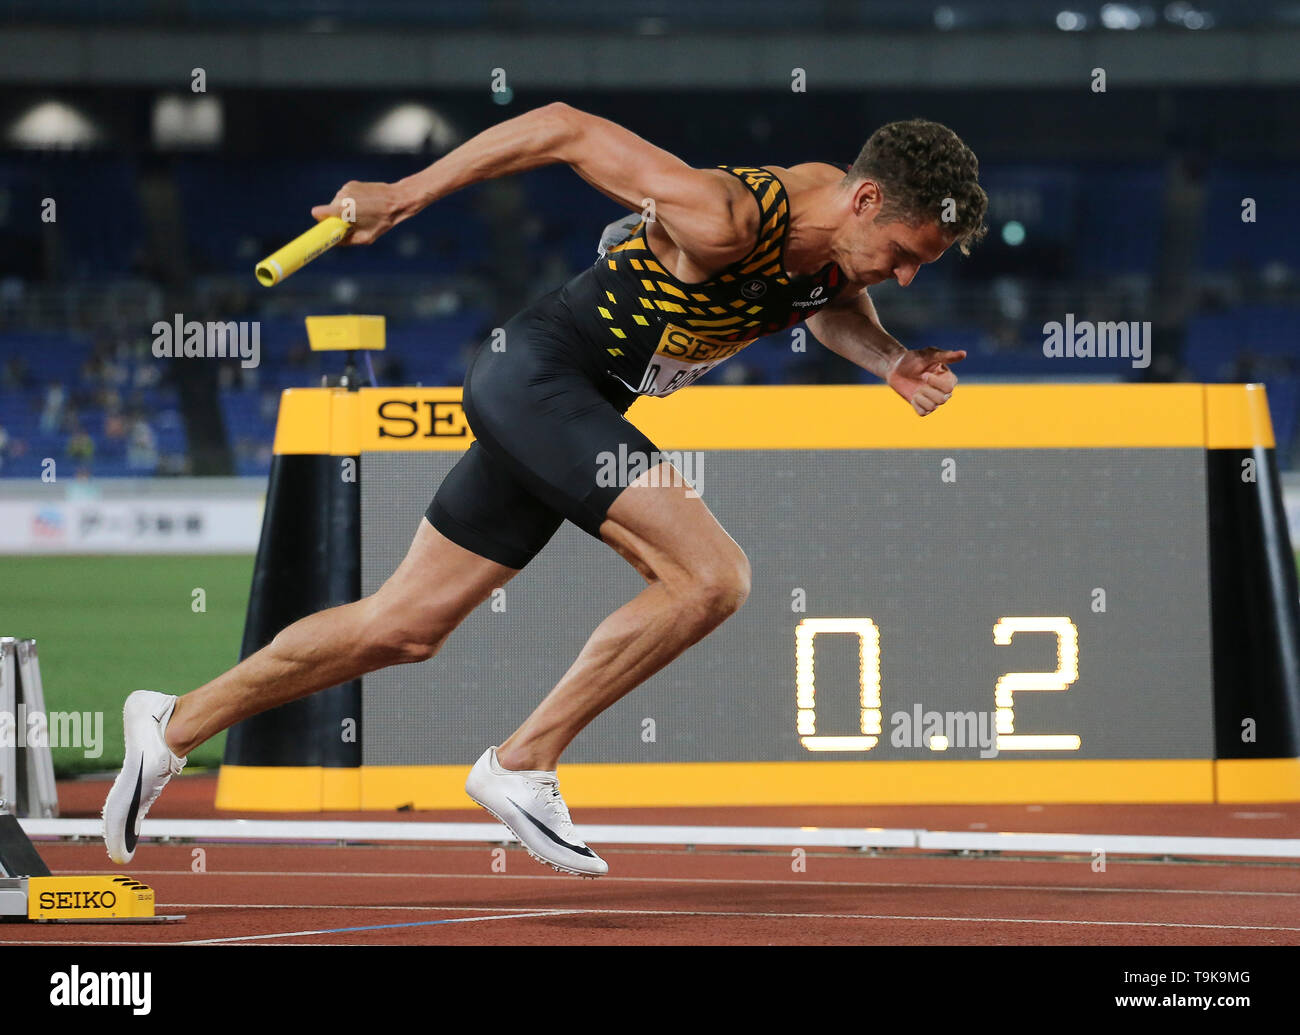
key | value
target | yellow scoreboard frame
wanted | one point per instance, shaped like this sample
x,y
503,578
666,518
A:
x,y
267,766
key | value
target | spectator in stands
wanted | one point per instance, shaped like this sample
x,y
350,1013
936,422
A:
x,y
80,446
114,427
142,447
113,368
52,412
146,371
17,448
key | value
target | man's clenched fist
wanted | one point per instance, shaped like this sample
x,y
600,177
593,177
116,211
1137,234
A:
x,y
923,378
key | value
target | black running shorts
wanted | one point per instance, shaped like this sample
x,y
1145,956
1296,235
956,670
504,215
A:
x,y
541,418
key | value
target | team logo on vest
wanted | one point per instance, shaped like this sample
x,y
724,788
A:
x,y
816,298
753,289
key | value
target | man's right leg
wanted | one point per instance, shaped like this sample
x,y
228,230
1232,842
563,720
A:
x,y
407,619
432,591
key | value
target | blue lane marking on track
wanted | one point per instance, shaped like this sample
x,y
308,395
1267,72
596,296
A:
x,y
383,927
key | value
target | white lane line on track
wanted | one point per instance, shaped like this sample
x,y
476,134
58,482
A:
x,y
378,927
721,914
782,882
926,919
435,909
846,916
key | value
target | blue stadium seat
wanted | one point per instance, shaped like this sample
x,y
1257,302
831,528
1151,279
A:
x,y
238,210
1231,244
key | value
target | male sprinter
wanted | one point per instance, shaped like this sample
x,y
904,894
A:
x,y
732,254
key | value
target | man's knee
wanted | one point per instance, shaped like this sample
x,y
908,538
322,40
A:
x,y
390,638
720,588
396,648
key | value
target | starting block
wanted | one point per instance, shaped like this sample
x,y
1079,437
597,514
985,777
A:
x,y
88,898
29,892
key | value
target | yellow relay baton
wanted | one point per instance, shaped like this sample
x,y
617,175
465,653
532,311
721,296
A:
x,y
301,250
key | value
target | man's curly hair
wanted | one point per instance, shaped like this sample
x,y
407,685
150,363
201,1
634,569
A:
x,y
928,176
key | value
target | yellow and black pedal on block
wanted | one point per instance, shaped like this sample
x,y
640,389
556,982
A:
x,y
28,891
89,898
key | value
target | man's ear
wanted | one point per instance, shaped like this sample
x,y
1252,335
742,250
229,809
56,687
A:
x,y
867,197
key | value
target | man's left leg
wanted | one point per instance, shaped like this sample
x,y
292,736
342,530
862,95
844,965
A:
x,y
697,576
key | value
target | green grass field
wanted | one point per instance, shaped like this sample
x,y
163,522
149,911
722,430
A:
x,y
105,626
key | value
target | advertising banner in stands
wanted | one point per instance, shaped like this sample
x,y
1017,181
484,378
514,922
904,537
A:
x,y
149,524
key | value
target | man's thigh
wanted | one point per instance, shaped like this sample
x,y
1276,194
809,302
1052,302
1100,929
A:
x,y
558,430
483,507
669,530
437,585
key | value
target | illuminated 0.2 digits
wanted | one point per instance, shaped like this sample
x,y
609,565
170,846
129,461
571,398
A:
x,y
1008,685
1067,671
805,636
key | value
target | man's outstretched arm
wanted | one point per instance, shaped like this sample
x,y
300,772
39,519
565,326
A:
x,y
851,328
709,216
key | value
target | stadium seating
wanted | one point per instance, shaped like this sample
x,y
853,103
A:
x,y
1106,220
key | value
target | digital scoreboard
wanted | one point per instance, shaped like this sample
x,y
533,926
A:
x,y
1038,593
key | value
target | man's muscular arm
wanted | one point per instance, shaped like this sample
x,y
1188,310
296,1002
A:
x,y
708,216
850,327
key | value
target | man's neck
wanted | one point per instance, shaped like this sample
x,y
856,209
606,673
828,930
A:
x,y
814,216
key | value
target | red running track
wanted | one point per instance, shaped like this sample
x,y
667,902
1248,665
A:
x,y
456,895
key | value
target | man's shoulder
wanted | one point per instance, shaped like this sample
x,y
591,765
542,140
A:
x,y
811,173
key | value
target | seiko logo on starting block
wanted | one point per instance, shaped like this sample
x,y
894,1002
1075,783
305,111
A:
x,y
88,898
78,899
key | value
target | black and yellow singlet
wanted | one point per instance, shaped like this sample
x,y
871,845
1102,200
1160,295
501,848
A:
x,y
546,398
657,334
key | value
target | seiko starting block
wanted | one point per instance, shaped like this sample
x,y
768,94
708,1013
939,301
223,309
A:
x,y
28,891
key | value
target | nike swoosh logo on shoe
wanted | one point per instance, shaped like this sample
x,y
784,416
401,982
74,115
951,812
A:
x,y
583,850
135,808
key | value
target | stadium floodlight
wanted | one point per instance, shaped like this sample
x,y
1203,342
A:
x,y
185,123
1120,16
53,124
411,127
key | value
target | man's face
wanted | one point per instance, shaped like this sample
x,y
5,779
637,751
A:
x,y
871,249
